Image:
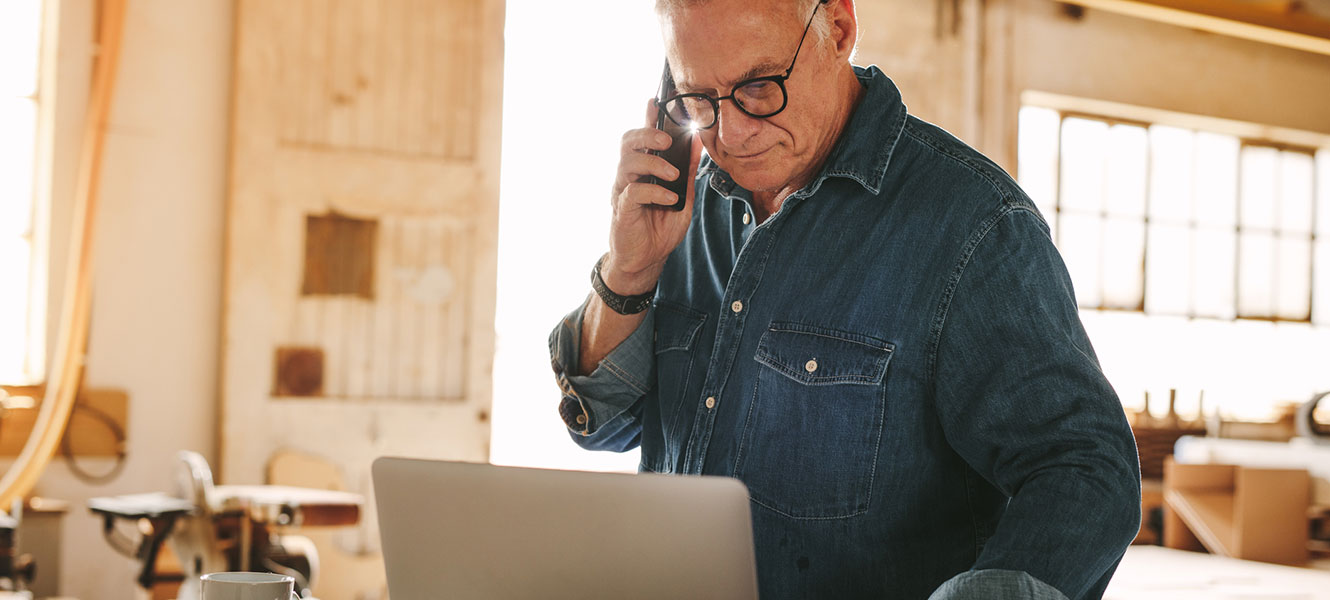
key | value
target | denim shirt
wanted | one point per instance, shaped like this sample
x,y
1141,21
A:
x,y
893,363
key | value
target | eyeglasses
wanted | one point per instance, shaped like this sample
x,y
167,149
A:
x,y
759,97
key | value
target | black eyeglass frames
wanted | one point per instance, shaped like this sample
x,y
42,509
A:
x,y
759,97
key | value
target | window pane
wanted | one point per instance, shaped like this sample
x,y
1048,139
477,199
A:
x,y
1124,262
1038,156
1323,193
1212,271
1259,180
1171,162
1295,192
1082,177
20,32
1321,293
17,122
1081,249
1256,259
1293,296
1167,269
1216,181
1125,185
14,261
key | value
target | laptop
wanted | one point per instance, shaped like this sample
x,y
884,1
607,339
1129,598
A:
x,y
465,530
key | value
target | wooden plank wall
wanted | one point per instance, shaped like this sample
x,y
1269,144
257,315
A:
x,y
394,77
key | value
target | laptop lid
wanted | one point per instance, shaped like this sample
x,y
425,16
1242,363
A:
x,y
465,530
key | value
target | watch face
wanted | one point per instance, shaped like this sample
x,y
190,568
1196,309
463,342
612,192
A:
x,y
639,306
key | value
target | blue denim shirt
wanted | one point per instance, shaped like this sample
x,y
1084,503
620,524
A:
x,y
894,365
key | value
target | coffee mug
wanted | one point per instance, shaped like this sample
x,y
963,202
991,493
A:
x,y
248,586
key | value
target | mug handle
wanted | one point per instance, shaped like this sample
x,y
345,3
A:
x,y
296,596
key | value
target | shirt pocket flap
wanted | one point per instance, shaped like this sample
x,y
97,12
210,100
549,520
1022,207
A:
x,y
818,356
677,326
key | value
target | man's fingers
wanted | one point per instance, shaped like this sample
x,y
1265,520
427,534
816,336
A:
x,y
638,165
646,193
640,140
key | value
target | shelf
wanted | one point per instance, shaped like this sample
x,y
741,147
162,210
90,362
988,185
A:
x,y
96,427
1239,512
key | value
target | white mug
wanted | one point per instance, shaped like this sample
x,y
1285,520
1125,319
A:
x,y
248,586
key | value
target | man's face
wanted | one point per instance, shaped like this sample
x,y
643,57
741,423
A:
x,y
720,43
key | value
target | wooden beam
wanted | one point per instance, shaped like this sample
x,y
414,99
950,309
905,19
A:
x,y
1306,140
1279,22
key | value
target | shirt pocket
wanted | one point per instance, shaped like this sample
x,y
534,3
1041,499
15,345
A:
x,y
677,330
811,437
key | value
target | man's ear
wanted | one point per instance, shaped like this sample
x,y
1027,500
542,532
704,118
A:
x,y
844,26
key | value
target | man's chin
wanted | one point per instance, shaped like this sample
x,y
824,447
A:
x,y
756,180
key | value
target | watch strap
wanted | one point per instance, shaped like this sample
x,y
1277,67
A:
x,y
624,305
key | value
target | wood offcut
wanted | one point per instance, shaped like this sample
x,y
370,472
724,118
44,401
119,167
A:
x,y
299,372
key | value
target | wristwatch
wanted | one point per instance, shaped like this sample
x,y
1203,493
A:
x,y
624,305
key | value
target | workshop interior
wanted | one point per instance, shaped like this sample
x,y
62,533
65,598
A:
x,y
249,246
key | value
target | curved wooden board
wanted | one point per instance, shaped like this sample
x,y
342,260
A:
x,y
66,375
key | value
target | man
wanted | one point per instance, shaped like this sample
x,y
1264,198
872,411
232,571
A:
x,y
858,316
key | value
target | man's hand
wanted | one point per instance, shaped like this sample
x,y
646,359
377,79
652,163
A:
x,y
643,231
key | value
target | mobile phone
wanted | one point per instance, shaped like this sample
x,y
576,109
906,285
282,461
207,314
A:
x,y
680,150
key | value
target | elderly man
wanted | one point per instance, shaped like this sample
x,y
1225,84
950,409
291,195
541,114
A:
x,y
858,316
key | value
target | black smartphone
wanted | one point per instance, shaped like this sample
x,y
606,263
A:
x,y
680,150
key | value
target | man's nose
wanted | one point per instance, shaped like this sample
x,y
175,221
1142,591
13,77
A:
x,y
734,127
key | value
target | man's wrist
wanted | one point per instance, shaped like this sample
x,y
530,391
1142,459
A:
x,y
624,304
628,283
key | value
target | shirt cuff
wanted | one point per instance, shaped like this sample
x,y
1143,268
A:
x,y
996,584
618,381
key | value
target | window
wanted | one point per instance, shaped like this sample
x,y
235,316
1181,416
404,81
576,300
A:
x,y
1177,221
1199,249
22,288
1275,234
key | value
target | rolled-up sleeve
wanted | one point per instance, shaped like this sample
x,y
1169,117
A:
x,y
602,410
996,584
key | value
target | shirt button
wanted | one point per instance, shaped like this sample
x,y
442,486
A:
x,y
581,419
811,365
737,306
747,218
711,402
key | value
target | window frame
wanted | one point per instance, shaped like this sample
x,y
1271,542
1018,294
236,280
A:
x,y
1313,145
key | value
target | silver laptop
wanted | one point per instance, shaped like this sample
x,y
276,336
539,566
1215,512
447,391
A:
x,y
463,530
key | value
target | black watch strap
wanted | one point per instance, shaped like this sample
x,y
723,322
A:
x,y
624,305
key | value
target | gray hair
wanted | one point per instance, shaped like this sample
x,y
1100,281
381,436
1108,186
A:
x,y
819,30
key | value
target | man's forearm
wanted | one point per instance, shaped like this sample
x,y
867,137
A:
x,y
602,331
601,409
602,328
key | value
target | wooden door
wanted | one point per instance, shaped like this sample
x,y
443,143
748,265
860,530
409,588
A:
x,y
361,233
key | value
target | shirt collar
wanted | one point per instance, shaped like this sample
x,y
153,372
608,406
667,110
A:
x,y
865,146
